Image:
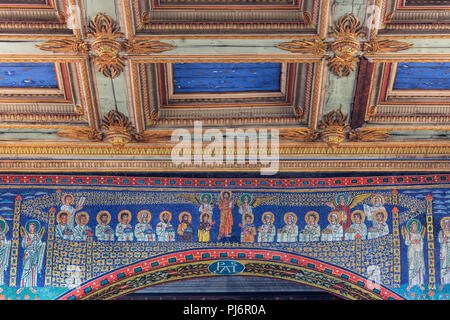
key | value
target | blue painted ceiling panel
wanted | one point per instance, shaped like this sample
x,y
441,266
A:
x,y
226,77
28,75
423,76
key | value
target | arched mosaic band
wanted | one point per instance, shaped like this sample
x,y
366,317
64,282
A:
x,y
264,263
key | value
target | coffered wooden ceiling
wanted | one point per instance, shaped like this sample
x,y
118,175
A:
x,y
99,85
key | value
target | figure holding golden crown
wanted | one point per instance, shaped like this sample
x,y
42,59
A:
x,y
266,232
334,230
289,233
311,232
82,231
103,231
358,229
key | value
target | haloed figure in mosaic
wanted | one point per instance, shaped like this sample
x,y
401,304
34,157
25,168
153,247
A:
x,y
62,229
204,228
248,230
143,231
226,206
82,231
379,226
334,231
289,233
444,253
124,230
185,231
33,254
413,236
266,232
68,200
311,232
164,229
5,249
358,229
103,231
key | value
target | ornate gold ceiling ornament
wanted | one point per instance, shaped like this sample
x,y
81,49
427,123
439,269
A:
x,y
333,128
346,47
367,135
107,46
345,51
119,129
315,46
299,134
83,134
376,46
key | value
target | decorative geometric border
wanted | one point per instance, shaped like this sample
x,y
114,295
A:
x,y
282,183
116,283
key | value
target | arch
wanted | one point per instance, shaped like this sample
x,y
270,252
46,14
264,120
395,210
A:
x,y
195,263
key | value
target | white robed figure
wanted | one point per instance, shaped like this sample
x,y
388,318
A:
x,y
143,231
164,229
103,231
68,200
124,230
33,255
357,229
82,231
413,236
311,232
377,204
62,229
334,230
379,226
444,253
5,249
266,232
289,233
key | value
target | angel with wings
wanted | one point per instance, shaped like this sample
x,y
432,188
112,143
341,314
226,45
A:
x,y
246,204
343,204
33,255
413,235
5,249
205,202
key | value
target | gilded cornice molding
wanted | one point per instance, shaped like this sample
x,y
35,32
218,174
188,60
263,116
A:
x,y
106,46
344,52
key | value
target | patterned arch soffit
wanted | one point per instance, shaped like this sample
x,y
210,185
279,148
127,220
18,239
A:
x,y
191,264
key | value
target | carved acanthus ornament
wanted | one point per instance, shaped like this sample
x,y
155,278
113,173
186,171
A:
x,y
345,51
333,130
106,45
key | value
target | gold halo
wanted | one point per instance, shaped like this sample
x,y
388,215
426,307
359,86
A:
x,y
223,191
383,201
337,213
64,196
77,217
182,214
383,212
6,228
443,222
363,216
290,213
140,213
58,216
101,213
168,213
314,213
272,217
207,214
124,211
251,215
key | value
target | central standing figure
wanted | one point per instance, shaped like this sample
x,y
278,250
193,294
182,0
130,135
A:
x,y
226,206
